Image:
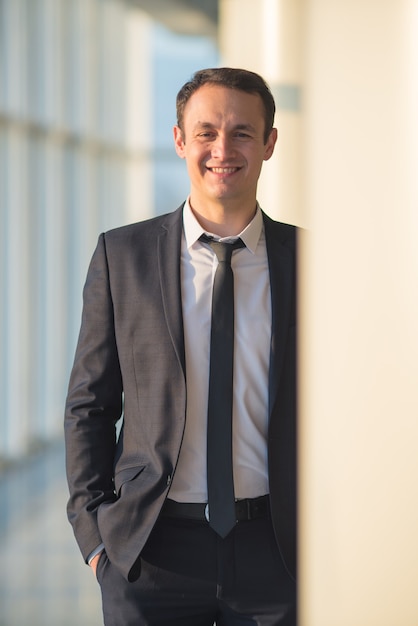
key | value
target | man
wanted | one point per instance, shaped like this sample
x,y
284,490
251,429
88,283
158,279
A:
x,y
138,502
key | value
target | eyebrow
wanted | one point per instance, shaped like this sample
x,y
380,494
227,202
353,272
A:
x,y
245,127
208,125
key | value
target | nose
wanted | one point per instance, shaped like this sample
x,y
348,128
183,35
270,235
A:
x,y
222,148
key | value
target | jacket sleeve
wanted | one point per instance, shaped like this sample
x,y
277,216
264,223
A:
x,y
93,406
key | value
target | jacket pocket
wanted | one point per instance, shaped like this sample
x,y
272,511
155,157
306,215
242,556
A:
x,y
126,475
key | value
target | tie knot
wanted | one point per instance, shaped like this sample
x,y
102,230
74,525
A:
x,y
222,249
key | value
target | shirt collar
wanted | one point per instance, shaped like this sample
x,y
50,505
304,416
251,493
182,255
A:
x,y
250,235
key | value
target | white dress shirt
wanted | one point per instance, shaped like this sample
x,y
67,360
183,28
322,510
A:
x,y
251,360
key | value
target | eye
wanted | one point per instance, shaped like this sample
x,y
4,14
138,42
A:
x,y
206,135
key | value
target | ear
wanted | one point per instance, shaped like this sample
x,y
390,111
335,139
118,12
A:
x,y
179,142
271,142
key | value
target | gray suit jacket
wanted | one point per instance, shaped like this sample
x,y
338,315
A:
x,y
130,360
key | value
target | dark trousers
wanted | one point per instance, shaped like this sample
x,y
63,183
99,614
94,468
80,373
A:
x,y
191,577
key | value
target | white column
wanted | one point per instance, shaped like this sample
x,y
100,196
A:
x,y
57,309
3,282
14,47
18,305
359,400
359,296
138,115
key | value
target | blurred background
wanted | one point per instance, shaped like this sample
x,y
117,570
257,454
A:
x,y
87,104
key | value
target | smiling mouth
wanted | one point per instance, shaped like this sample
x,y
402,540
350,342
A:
x,y
223,170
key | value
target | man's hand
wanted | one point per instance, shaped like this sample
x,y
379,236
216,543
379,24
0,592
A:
x,y
94,561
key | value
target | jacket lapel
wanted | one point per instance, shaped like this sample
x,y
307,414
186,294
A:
x,y
281,267
169,254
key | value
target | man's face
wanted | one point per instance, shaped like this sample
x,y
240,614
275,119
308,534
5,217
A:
x,y
223,144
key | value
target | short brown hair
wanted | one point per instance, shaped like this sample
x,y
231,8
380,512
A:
x,y
244,80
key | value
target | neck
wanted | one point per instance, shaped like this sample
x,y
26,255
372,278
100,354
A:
x,y
222,220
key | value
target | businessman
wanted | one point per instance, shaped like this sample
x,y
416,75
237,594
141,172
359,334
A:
x,y
188,515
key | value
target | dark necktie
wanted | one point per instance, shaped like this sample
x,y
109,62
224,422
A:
x,y
221,500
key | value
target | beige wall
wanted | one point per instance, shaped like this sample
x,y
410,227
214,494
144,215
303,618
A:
x,y
359,400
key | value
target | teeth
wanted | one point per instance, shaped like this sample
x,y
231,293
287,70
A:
x,y
224,170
